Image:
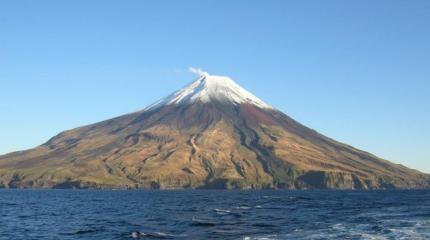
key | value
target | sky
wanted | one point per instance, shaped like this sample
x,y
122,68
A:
x,y
356,71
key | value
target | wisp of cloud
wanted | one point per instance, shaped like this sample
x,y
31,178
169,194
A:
x,y
197,71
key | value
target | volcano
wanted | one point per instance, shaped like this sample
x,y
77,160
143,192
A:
x,y
210,134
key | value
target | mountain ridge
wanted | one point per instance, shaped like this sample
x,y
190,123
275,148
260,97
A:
x,y
210,134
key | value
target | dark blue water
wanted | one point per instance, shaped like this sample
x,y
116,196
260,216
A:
x,y
82,214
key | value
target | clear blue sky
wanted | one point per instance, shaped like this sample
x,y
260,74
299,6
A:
x,y
357,71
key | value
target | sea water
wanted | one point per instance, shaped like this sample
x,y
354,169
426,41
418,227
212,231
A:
x,y
214,214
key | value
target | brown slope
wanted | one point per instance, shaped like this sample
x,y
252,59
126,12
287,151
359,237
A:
x,y
211,145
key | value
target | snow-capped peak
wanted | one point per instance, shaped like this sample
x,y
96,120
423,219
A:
x,y
209,87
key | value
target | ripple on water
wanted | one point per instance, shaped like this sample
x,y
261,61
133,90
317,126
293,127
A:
x,y
222,211
202,222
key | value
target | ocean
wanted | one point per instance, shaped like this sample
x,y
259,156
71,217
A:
x,y
214,214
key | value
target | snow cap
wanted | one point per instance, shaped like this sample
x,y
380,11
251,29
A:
x,y
210,87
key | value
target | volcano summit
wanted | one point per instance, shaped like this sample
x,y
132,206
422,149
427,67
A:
x,y
210,134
